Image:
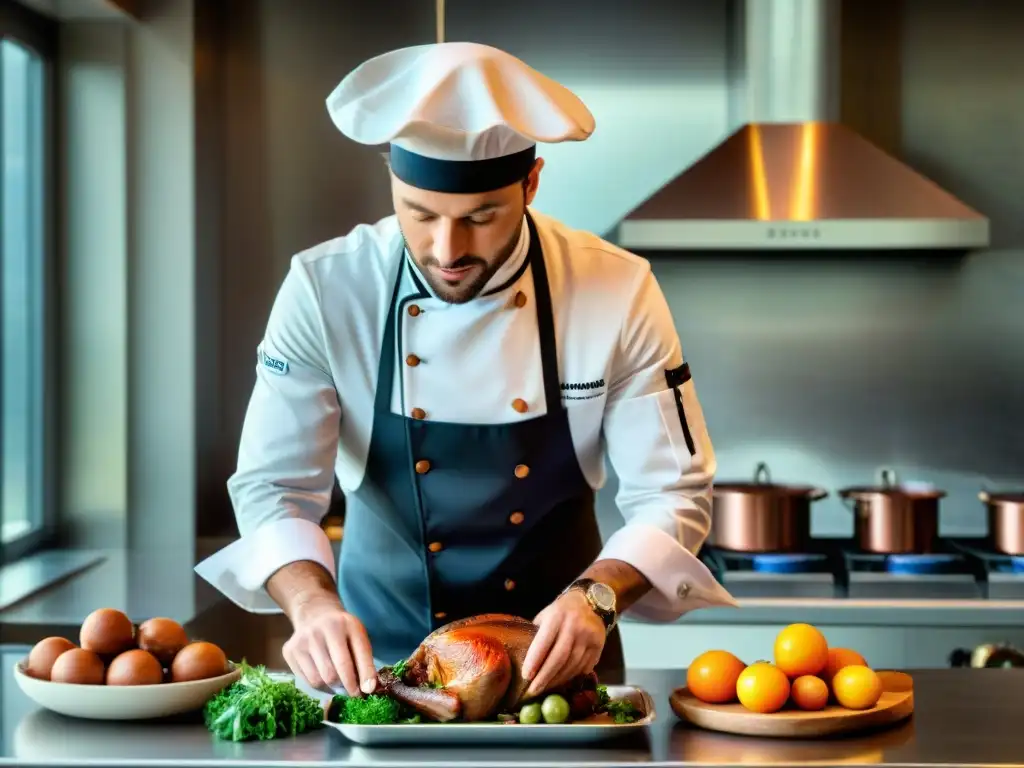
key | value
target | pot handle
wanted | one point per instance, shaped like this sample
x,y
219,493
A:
x,y
817,494
887,477
849,500
761,474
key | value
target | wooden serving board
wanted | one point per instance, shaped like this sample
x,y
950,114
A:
x,y
896,704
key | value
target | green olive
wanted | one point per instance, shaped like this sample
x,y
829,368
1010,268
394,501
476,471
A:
x,y
555,709
530,714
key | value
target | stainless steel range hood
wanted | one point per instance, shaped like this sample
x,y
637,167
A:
x,y
792,177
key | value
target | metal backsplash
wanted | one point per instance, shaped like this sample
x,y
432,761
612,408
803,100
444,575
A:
x,y
825,369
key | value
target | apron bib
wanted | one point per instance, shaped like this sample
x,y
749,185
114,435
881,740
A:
x,y
453,520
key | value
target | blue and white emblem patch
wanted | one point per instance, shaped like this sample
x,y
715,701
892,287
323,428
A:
x,y
273,364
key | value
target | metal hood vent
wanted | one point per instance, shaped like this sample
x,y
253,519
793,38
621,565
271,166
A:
x,y
793,178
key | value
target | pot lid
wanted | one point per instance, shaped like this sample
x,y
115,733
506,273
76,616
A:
x,y
766,488
889,485
907,490
1012,497
762,485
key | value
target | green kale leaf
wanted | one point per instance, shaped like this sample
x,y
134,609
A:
x,y
257,707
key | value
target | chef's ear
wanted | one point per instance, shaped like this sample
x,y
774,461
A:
x,y
533,180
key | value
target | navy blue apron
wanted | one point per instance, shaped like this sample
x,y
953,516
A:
x,y
453,520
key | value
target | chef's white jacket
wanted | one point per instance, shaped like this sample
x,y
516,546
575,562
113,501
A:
x,y
311,411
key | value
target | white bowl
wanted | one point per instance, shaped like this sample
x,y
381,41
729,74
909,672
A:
x,y
121,702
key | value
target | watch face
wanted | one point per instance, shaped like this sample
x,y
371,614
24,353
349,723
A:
x,y
603,596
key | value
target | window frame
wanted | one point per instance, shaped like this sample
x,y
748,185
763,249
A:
x,y
39,34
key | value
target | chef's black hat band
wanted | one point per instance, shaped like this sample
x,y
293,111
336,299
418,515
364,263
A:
x,y
465,177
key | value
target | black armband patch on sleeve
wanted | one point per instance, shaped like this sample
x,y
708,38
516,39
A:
x,y
678,376
675,379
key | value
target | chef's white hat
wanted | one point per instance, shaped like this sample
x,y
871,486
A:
x,y
460,117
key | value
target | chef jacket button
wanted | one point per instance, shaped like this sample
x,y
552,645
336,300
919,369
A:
x,y
414,310
520,405
522,471
520,299
509,585
516,518
412,360
683,591
419,413
440,615
422,467
435,546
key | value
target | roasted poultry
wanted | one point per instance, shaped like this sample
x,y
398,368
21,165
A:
x,y
471,669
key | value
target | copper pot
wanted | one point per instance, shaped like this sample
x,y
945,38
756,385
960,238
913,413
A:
x,y
1005,521
895,519
761,516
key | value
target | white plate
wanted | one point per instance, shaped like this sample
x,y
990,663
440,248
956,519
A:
x,y
500,733
121,702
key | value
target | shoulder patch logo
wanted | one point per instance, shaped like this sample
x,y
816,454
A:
x,y
273,364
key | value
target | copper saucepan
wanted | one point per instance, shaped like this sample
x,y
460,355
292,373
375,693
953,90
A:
x,y
762,516
1005,521
895,519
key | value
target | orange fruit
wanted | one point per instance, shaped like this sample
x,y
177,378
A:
x,y
809,692
712,676
762,688
801,649
857,687
839,658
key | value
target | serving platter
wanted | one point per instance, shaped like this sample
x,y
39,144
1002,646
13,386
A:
x,y
596,728
121,702
895,705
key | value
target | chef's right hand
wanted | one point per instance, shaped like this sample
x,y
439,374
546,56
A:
x,y
329,647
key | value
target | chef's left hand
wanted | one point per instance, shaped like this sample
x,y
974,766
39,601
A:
x,y
569,642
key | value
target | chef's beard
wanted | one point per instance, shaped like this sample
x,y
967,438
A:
x,y
463,292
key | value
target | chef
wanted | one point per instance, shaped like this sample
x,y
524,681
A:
x,y
463,367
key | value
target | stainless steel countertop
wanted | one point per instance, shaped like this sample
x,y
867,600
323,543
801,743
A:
x,y
963,718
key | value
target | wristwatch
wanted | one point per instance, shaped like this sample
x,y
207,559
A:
x,y
601,598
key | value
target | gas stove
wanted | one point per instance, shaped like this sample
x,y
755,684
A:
x,y
960,569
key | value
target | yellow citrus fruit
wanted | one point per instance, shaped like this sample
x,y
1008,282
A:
x,y
809,692
857,687
712,676
762,688
839,658
801,649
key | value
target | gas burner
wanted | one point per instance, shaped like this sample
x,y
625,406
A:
x,y
922,564
1003,574
787,563
774,575
940,575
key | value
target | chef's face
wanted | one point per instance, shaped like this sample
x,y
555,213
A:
x,y
460,241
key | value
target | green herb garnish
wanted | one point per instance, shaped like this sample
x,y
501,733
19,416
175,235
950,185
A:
x,y
375,709
258,707
399,669
622,710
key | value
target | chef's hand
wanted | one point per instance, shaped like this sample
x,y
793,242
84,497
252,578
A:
x,y
329,647
569,642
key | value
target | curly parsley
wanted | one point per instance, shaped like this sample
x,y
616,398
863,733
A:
x,y
258,707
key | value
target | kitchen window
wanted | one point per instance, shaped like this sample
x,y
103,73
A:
x,y
26,246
